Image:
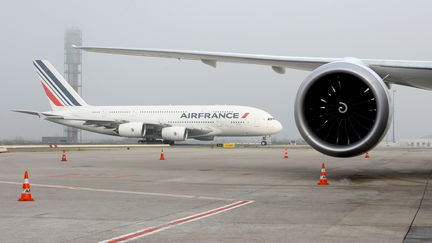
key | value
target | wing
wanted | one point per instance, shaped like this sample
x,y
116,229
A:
x,y
279,63
410,73
110,123
152,128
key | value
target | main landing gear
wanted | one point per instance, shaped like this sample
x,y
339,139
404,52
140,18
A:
x,y
264,141
169,142
155,141
150,141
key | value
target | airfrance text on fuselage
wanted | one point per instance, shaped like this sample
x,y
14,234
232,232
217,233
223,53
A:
x,y
229,115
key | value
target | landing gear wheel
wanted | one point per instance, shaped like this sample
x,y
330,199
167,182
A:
x,y
169,142
264,143
140,141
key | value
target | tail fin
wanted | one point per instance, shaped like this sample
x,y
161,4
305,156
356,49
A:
x,y
60,94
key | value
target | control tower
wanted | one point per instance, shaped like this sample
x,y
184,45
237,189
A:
x,y
73,72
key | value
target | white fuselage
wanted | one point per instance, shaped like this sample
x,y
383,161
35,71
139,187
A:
x,y
214,120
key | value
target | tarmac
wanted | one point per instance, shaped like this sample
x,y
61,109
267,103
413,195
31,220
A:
x,y
203,194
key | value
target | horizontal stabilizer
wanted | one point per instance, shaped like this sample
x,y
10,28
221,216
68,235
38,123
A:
x,y
35,113
45,115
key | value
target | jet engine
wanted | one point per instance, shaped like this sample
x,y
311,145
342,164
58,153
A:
x,y
343,109
132,130
174,133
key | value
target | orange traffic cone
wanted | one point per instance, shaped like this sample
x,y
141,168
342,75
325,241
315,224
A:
x,y
286,153
367,155
162,155
26,195
63,158
323,178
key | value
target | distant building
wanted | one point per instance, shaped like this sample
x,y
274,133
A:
x,y
54,140
420,142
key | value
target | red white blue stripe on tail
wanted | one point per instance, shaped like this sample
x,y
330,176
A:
x,y
57,89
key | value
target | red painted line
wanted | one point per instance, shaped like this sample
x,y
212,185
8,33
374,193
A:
x,y
245,115
151,230
51,96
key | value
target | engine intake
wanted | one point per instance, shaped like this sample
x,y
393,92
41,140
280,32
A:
x,y
343,109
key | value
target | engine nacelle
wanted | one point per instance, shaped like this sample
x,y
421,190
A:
x,y
343,109
174,133
132,130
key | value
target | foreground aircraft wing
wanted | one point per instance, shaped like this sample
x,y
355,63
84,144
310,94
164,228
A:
x,y
279,63
409,73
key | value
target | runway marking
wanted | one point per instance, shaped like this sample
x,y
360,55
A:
x,y
81,176
124,192
152,230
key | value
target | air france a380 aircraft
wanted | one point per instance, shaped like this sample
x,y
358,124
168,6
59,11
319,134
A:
x,y
170,123
343,108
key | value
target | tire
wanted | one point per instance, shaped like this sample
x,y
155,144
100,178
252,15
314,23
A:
x,y
263,143
168,142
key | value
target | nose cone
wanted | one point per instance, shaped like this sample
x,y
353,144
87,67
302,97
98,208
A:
x,y
276,127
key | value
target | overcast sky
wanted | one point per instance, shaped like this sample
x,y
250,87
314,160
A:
x,y
385,29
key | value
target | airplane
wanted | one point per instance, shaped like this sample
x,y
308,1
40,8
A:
x,y
343,107
149,123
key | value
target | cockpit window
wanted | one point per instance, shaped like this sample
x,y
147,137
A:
x,y
270,119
